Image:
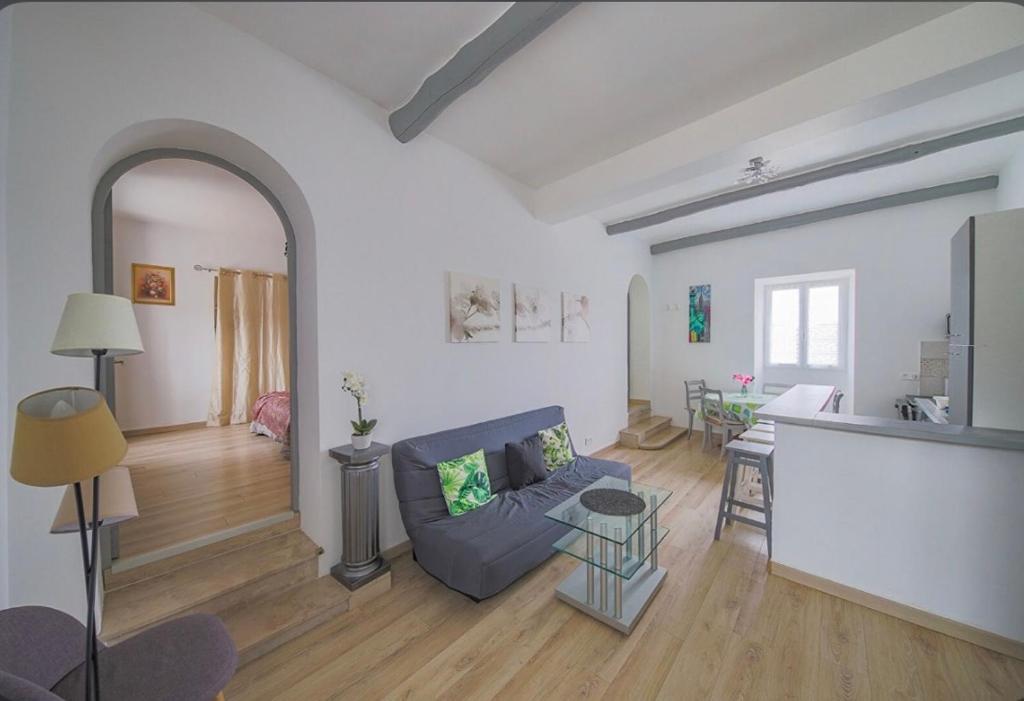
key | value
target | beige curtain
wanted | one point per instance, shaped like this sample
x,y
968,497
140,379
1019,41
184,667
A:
x,y
251,343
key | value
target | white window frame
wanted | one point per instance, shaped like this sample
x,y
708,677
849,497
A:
x,y
843,283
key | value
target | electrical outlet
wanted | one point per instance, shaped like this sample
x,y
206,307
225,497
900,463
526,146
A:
x,y
910,376
587,442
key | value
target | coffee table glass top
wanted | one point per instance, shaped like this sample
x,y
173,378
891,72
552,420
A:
x,y
616,529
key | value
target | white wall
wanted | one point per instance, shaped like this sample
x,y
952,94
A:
x,y
5,62
930,525
170,383
901,260
1010,194
389,219
639,339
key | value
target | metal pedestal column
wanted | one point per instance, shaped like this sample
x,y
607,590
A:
x,y
360,502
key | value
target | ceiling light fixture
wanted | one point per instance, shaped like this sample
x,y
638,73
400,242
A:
x,y
759,170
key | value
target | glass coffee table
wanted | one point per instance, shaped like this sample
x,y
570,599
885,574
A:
x,y
613,584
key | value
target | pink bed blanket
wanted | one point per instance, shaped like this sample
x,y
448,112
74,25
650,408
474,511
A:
x,y
272,416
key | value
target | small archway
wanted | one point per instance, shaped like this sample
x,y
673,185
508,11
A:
x,y
639,340
103,274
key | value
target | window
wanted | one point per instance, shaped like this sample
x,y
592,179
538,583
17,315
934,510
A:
x,y
806,324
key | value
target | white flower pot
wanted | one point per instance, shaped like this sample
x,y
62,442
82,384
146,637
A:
x,y
361,442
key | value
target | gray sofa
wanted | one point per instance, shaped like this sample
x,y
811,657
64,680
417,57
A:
x,y
482,552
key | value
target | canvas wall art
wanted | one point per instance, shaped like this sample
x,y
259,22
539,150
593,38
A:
x,y
575,318
474,309
533,315
152,284
700,314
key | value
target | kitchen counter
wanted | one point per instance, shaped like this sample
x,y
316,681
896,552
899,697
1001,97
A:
x,y
809,405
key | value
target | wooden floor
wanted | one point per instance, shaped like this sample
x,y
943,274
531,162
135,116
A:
x,y
720,628
195,482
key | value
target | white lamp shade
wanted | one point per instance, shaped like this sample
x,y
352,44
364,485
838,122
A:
x,y
117,502
97,322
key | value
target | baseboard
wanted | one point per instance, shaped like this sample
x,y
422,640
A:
x,y
397,550
163,429
925,619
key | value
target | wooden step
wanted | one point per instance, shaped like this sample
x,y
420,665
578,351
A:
x,y
662,437
636,434
639,409
211,585
263,624
113,581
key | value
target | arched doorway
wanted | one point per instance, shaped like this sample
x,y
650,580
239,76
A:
x,y
639,354
104,280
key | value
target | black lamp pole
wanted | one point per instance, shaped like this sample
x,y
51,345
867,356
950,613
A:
x,y
89,564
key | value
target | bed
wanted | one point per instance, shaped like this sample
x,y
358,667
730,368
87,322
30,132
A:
x,y
272,416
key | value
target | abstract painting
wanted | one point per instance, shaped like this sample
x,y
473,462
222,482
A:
x,y
575,318
474,309
533,315
700,314
152,284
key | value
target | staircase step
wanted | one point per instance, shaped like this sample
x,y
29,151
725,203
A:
x,y
639,409
263,624
662,437
636,434
119,580
211,585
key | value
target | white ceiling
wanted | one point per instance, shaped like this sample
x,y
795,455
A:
x,y
610,76
381,50
606,77
198,197
982,104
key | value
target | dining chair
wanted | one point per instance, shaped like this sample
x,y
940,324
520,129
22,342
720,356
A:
x,y
836,399
775,388
713,413
694,390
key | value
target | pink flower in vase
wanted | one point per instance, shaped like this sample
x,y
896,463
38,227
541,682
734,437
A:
x,y
744,380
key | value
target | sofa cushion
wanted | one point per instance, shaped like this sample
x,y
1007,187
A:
x,y
464,483
525,462
486,550
556,446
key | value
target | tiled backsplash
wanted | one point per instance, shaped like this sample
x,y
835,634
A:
x,y
934,367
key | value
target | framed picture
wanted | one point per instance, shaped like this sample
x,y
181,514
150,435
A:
x,y
474,309
533,315
700,314
152,284
575,318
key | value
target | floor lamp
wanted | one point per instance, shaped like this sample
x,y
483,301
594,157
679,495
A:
x,y
66,436
97,326
94,326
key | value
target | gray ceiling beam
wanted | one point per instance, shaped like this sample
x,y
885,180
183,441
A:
x,y
521,24
989,182
902,154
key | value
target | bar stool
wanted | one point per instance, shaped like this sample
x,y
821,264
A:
x,y
756,435
759,457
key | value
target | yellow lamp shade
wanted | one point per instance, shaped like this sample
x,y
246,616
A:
x,y
63,436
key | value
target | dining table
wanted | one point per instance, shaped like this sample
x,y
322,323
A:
x,y
744,405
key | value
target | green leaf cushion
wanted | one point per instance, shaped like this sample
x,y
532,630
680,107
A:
x,y
555,442
465,483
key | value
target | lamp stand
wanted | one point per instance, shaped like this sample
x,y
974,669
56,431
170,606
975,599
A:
x,y
98,354
92,671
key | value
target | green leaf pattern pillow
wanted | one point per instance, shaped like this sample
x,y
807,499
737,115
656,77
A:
x,y
555,444
465,482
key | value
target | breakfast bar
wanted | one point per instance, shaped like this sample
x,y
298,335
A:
x,y
919,520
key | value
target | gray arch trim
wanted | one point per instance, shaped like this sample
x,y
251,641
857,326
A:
x,y
103,266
